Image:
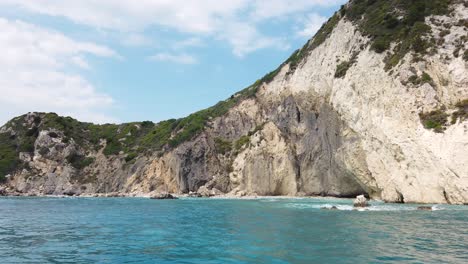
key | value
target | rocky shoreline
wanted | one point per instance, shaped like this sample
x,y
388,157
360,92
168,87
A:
x,y
165,196
201,193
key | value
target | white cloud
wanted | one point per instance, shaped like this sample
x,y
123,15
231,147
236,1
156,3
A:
x,y
312,24
244,38
187,16
182,58
188,43
265,9
202,18
136,39
34,73
80,62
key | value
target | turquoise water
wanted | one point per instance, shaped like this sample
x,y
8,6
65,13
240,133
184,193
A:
x,y
137,230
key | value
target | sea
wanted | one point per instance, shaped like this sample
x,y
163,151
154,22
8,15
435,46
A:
x,y
216,230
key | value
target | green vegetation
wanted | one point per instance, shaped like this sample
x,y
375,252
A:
x,y
385,22
299,55
130,139
131,156
462,111
192,125
436,120
245,140
79,162
8,155
241,142
11,144
459,46
419,80
222,146
343,67
396,21
324,32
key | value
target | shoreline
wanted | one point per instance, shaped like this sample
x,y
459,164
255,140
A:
x,y
214,197
149,195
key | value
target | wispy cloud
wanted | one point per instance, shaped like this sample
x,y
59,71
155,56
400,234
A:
x,y
197,18
267,9
245,38
34,75
188,43
182,58
311,25
136,40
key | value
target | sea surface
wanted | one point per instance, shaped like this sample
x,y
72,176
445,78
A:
x,y
270,230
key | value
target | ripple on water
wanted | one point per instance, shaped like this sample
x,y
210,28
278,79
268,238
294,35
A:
x,y
274,230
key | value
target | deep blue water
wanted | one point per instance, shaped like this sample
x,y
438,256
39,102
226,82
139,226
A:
x,y
137,230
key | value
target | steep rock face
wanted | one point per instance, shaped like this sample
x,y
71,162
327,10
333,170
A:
x,y
312,128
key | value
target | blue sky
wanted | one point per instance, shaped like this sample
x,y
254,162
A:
x,y
122,60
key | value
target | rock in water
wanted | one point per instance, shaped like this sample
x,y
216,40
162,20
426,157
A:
x,y
425,208
163,196
361,201
194,194
329,208
205,192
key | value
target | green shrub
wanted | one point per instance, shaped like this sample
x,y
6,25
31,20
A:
x,y
436,120
241,142
9,157
444,33
131,156
419,80
426,78
113,147
378,20
79,162
462,111
222,146
341,69
381,44
256,129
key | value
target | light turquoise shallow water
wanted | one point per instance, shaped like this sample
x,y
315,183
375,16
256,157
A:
x,y
134,230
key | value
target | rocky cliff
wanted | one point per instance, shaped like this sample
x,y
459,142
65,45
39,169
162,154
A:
x,y
375,103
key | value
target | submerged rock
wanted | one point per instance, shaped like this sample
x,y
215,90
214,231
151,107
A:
x,y
329,208
360,201
425,208
163,196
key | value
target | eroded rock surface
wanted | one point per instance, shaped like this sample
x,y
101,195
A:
x,y
304,131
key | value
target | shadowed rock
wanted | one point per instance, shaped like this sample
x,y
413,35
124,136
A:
x,y
329,208
163,196
425,208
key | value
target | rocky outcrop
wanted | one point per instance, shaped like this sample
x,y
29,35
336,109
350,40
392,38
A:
x,y
425,208
162,196
334,120
360,201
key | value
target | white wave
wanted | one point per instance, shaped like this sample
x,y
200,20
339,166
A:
x,y
350,207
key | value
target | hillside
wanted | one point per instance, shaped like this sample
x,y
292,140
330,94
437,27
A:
x,y
376,102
